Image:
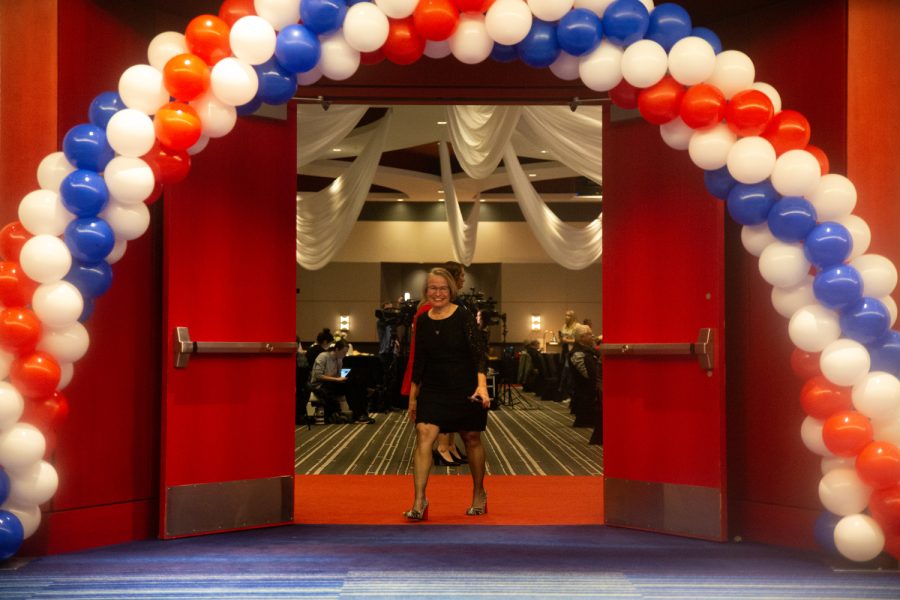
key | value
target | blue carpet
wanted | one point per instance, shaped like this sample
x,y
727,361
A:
x,y
326,561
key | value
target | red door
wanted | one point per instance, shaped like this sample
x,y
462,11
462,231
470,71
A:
x,y
229,276
663,269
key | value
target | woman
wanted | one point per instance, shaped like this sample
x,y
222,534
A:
x,y
449,388
585,366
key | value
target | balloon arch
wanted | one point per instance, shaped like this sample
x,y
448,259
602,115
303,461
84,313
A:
x,y
93,195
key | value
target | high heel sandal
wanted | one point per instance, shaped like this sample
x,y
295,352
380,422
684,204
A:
x,y
477,511
417,515
458,456
440,461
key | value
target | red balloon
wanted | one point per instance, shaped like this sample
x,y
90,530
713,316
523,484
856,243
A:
x,y
16,289
12,237
177,125
207,36
436,19
884,505
821,398
47,414
169,166
186,77
703,105
892,543
20,330
625,95
660,103
404,44
847,432
788,130
155,195
232,10
371,58
36,375
824,164
749,112
878,465
471,5
805,364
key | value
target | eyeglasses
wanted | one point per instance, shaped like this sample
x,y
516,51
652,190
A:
x,y
434,288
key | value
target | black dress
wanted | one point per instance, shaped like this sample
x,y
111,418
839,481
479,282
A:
x,y
449,355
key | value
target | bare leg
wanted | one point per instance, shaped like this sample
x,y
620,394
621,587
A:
x,y
426,433
475,451
444,440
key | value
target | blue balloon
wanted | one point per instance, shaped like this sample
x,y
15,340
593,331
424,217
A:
x,y
838,286
885,353
103,107
866,320
503,53
323,16
90,239
792,218
710,36
87,311
669,23
625,22
11,534
297,48
251,107
91,280
539,48
579,31
823,532
719,182
84,193
277,85
750,203
4,485
828,244
86,147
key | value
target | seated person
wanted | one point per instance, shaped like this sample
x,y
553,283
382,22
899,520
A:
x,y
331,387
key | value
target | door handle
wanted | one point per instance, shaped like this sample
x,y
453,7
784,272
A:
x,y
184,347
703,349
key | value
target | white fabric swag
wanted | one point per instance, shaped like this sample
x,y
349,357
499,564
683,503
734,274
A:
x,y
325,219
479,134
462,233
320,130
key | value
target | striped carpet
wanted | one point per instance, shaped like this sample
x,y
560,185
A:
x,y
530,437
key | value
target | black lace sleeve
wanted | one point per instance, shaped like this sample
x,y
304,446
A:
x,y
475,339
418,363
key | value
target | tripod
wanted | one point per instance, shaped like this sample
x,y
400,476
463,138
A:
x,y
510,395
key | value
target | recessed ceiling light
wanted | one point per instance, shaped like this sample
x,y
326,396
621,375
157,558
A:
x,y
335,149
440,191
545,152
440,199
532,174
442,122
399,199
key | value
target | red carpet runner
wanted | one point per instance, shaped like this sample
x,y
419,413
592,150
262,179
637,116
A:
x,y
512,500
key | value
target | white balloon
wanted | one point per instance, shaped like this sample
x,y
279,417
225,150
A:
x,y
65,344
550,10
751,159
35,485
644,63
217,118
565,66
691,60
45,258
788,300
42,212
117,252
597,6
365,27
648,4
278,13
53,169
5,363
676,134
830,463
860,234
733,72
233,81
843,493
130,132
164,47
813,327
709,147
252,39
877,395
887,430
66,372
29,516
470,43
508,21
783,265
601,69
771,92
57,304
130,180
845,362
199,145
879,275
21,445
833,198
128,221
11,405
437,50
397,9
891,305
859,537
339,61
757,238
811,435
141,88
796,173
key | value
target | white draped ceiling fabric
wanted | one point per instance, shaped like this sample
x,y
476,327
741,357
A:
x,y
482,136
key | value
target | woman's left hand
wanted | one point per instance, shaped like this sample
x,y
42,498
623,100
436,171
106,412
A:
x,y
481,395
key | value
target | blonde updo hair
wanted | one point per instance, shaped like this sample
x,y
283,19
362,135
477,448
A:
x,y
447,276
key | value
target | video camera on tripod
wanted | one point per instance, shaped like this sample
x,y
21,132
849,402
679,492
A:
x,y
485,308
398,315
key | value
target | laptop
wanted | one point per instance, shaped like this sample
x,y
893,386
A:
x,y
345,372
